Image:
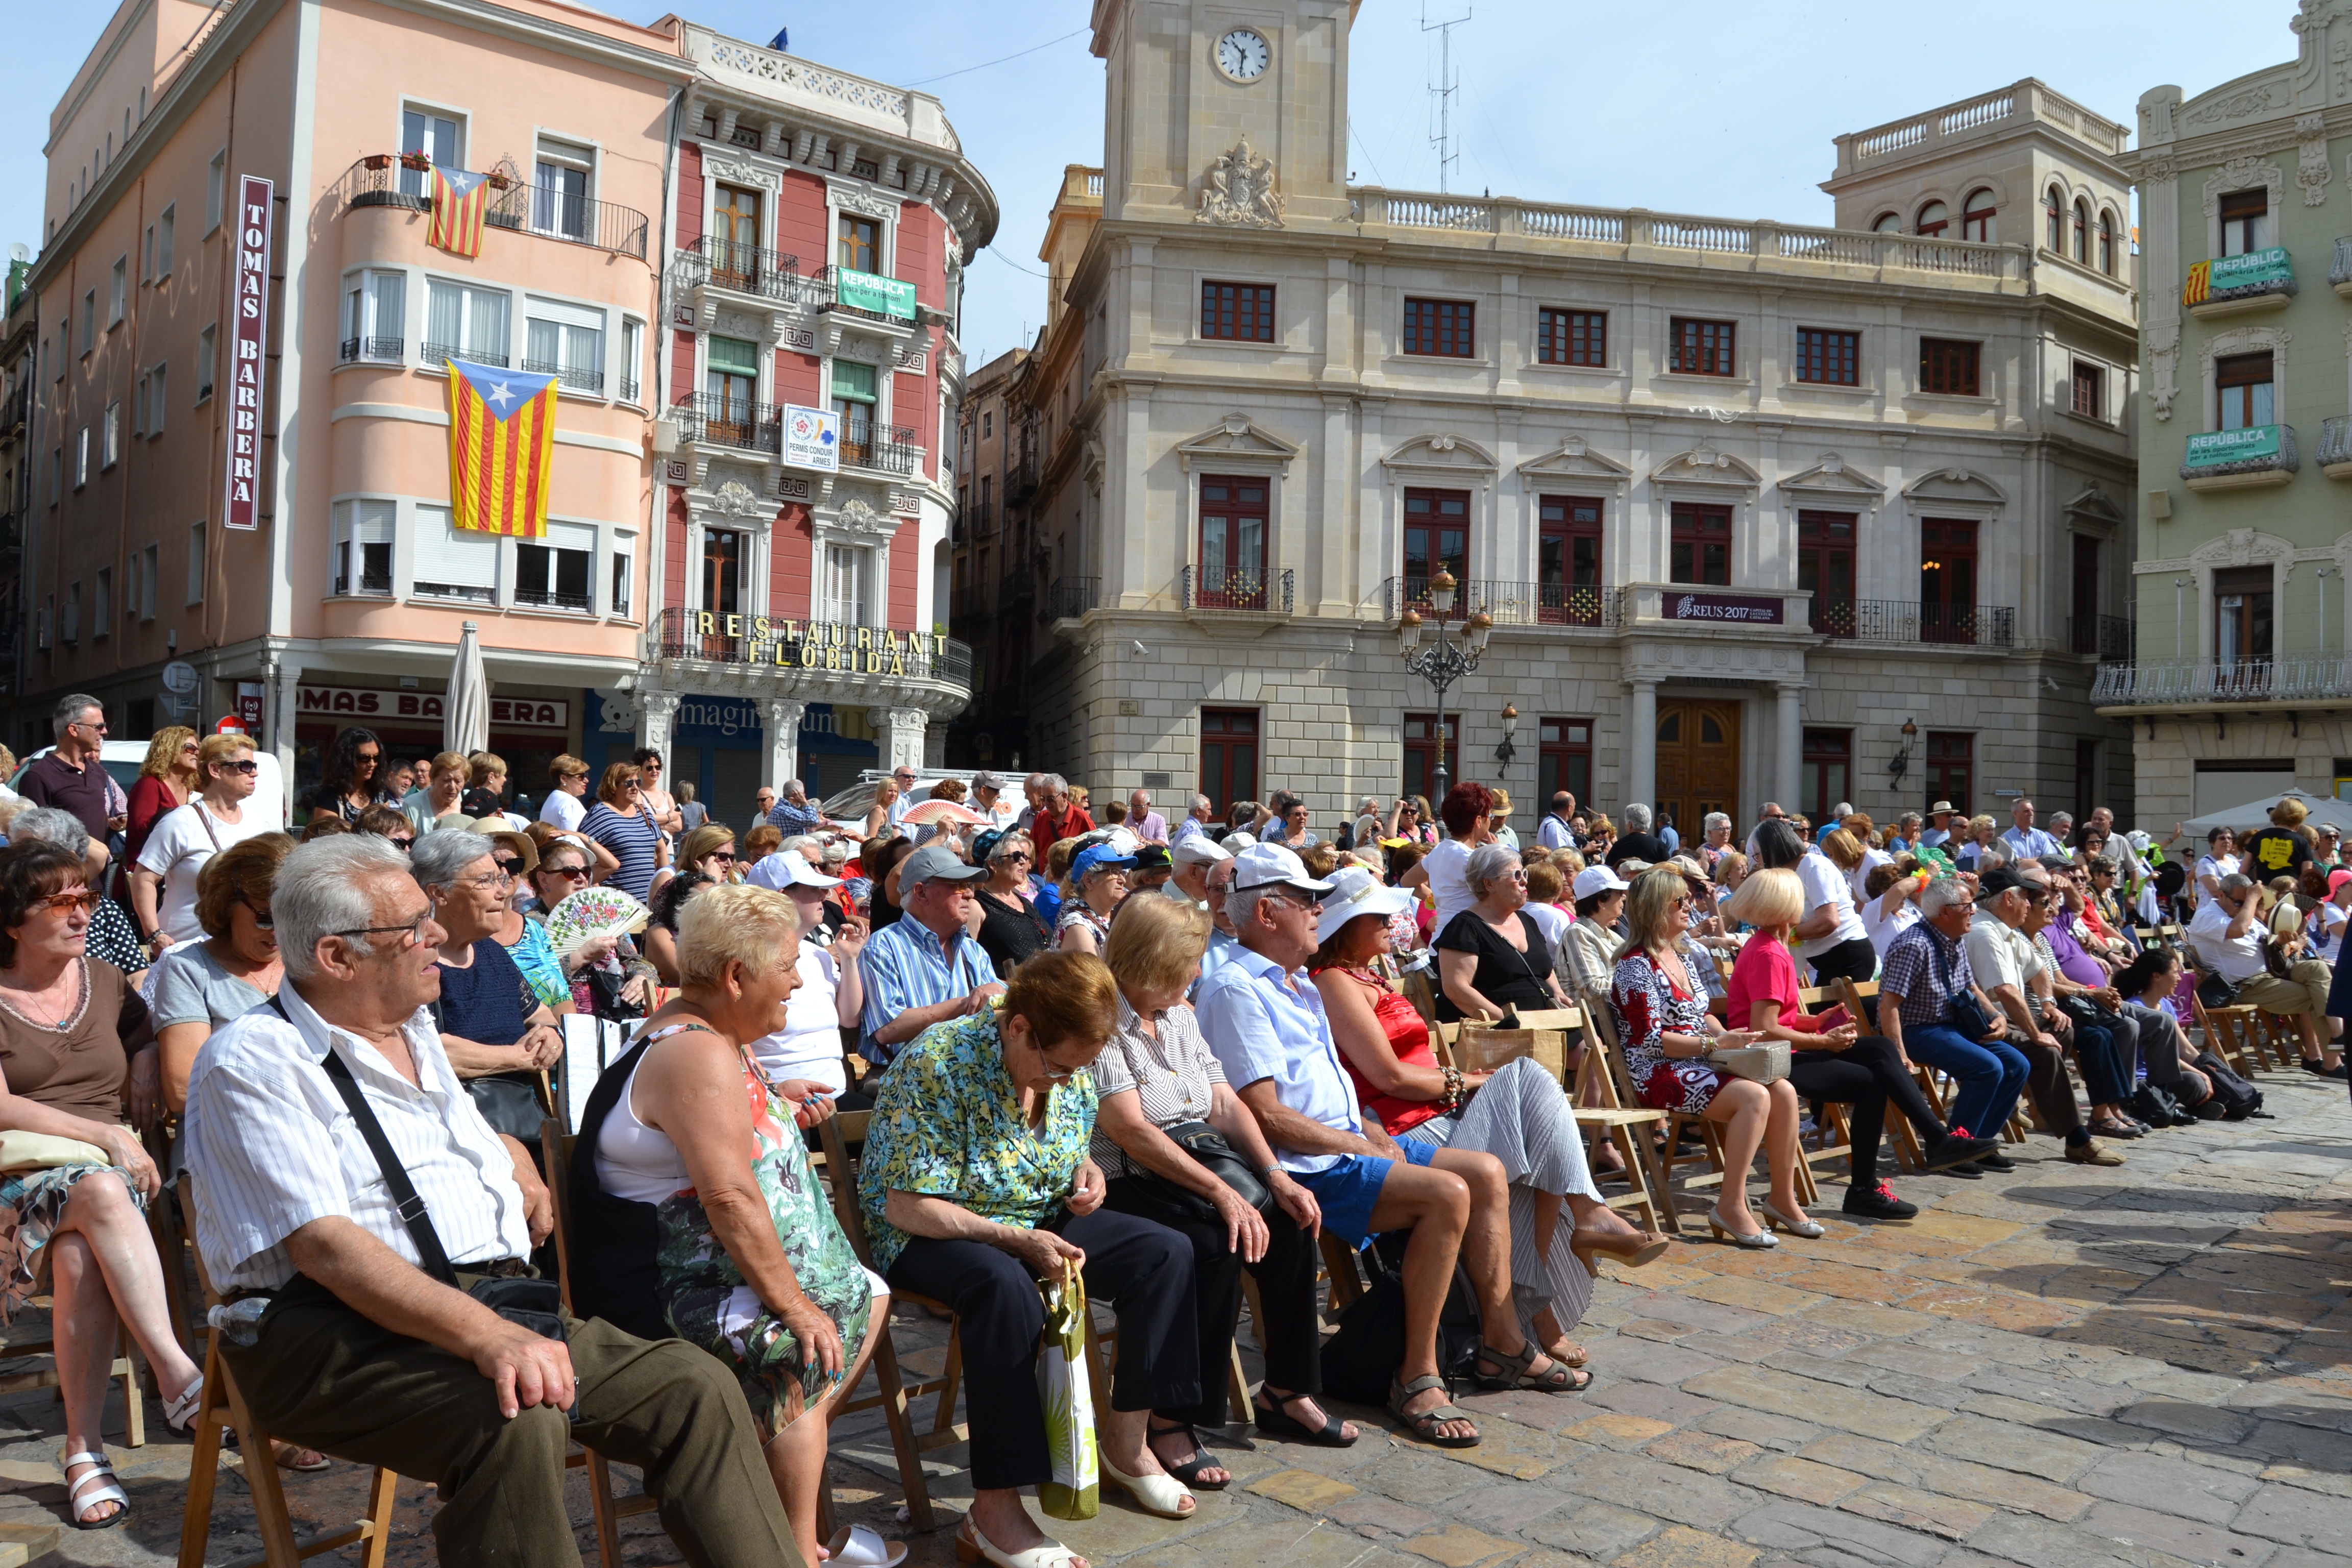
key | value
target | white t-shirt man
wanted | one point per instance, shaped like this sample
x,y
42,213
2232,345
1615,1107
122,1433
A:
x,y
809,1045
564,809
2239,959
1826,885
184,839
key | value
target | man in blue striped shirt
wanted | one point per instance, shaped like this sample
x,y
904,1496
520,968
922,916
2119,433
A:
x,y
923,969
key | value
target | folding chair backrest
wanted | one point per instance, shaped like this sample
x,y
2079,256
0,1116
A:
x,y
1551,1019
555,1150
1441,1039
834,1134
1418,990
1615,1088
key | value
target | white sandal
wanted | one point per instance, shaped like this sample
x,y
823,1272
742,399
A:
x,y
977,1549
83,1495
180,1411
856,1546
1160,1494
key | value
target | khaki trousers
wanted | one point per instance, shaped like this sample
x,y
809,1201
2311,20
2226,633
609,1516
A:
x,y
323,1376
2305,992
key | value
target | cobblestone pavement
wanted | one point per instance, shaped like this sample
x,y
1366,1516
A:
x,y
2060,1367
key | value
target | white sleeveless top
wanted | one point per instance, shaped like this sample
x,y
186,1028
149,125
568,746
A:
x,y
1448,866
633,1161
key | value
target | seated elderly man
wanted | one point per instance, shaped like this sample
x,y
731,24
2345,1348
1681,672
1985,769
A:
x,y
2003,960
373,1347
2226,938
1265,1020
925,967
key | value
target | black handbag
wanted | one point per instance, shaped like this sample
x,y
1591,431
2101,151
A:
x,y
1962,1011
1208,1146
2215,991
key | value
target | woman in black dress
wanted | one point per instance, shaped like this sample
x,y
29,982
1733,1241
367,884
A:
x,y
1010,928
1492,957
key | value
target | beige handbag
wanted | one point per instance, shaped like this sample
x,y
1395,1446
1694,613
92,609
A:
x,y
21,1150
1766,1062
1481,1048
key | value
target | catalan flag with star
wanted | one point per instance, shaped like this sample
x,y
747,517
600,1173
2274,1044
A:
x,y
461,200
501,449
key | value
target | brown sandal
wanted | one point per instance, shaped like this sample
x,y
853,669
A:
x,y
1424,1425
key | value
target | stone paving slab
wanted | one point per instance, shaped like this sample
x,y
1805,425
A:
x,y
2060,1366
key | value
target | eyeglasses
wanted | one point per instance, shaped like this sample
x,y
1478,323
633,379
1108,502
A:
x,y
486,880
511,868
404,844
1054,1071
367,756
570,873
410,934
727,855
247,767
86,724
72,899
1021,856
190,749
262,917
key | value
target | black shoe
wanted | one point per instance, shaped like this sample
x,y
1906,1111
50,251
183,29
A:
x,y
1877,1203
1966,1171
1995,1162
1957,1148
2184,1119
2338,1071
2209,1109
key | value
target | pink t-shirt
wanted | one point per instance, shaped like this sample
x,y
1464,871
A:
x,y
1764,971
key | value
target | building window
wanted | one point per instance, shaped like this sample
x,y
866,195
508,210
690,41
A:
x,y
1701,347
207,343
1563,760
81,456
69,630
1935,218
139,404
2242,615
89,320
2090,400
437,136
1572,337
142,601
163,243
1952,772
2242,382
101,604
1241,311
1568,562
987,423
722,571
859,243
856,393
1829,772
1700,551
1436,533
2086,594
1947,580
732,245
156,382
118,292
452,562
731,381
111,449
360,548
633,360
375,317
566,342
1443,327
1888,223
216,190
1976,216
554,573
848,584
147,258
466,323
1234,526
1949,366
1228,755
196,563
2107,243
624,555
1825,541
560,185
2245,221
2054,220
1828,357
1420,740
2082,233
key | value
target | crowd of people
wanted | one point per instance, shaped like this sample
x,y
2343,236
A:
x,y
1166,1054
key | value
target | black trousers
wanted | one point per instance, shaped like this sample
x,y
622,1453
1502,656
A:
x,y
1285,1288
1853,959
1865,1076
1143,1270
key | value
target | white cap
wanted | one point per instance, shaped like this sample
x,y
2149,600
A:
x,y
786,869
1356,891
1200,849
1272,866
1599,879
1237,842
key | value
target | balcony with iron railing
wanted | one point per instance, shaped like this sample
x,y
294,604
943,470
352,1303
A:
x,y
2255,281
1907,621
871,654
394,179
881,448
2232,459
769,275
1508,604
714,419
2187,683
372,351
1070,597
867,295
553,599
2336,447
434,353
574,377
2101,636
1236,591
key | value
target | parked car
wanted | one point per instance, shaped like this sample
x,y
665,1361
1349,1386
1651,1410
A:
x,y
123,759
851,804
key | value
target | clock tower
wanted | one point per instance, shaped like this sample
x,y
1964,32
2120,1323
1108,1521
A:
x,y
1189,81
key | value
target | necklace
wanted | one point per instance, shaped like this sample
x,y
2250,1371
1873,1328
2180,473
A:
x,y
32,1014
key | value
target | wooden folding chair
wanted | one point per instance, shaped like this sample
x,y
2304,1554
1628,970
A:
x,y
555,1147
2229,1034
1627,1123
2282,1038
222,1401
42,1341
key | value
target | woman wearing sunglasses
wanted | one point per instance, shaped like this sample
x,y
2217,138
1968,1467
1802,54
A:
x,y
1011,927
186,838
353,778
564,866
710,849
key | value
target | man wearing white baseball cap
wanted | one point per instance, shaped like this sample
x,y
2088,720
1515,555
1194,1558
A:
x,y
830,998
1193,857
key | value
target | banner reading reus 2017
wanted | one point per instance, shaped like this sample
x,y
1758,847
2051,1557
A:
x,y
247,339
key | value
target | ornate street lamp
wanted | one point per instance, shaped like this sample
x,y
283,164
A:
x,y
1446,660
1506,751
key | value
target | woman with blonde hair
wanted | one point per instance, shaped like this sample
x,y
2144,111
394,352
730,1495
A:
x,y
710,849
1663,1028
166,781
877,816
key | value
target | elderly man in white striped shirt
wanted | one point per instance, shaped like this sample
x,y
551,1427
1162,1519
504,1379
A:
x,y
373,1346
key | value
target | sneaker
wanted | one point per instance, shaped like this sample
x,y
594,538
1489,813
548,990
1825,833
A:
x,y
1995,1162
1878,1203
2338,1071
1966,1171
2209,1109
1957,1148
2093,1154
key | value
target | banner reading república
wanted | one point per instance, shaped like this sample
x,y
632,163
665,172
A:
x,y
2264,271
2215,448
883,296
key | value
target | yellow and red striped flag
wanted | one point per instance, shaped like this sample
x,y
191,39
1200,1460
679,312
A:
x,y
461,199
501,449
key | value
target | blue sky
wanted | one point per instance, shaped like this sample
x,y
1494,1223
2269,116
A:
x,y
1705,107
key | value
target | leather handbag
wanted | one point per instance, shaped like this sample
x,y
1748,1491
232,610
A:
x,y
22,1150
1208,1146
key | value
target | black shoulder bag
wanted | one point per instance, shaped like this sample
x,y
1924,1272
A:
x,y
1962,1011
529,1303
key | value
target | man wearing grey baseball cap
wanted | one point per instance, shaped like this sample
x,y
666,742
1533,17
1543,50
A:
x,y
988,798
923,968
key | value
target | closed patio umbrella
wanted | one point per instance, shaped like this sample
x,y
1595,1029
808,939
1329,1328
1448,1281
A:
x,y
466,712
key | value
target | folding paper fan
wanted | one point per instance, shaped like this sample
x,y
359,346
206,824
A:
x,y
591,913
931,813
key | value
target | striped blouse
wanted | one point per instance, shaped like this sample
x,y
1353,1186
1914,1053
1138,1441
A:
x,y
633,840
1173,1075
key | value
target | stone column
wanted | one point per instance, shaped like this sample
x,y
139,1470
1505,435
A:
x,y
656,714
782,716
1642,744
902,736
1789,744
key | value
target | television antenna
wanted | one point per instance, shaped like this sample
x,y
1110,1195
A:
x,y
1442,92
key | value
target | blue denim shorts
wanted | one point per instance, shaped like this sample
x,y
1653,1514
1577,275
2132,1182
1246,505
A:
x,y
1347,1190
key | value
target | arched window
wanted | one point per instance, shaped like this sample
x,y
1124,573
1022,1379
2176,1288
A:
x,y
2082,233
1976,216
1934,219
2053,214
1888,223
2107,243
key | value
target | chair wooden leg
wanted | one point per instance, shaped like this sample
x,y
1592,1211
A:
x,y
134,1408
162,1224
601,1511
203,1467
1256,1309
1643,1158
949,1379
381,1495
902,1431
1237,1388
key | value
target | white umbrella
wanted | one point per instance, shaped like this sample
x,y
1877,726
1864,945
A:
x,y
466,711
2254,814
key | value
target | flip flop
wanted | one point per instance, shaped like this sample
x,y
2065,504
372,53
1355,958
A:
x,y
856,1546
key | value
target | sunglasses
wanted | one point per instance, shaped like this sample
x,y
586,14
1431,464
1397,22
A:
x,y
510,867
72,899
247,767
368,757
262,918
726,855
404,844
571,873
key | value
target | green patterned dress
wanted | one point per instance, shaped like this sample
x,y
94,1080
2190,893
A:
x,y
708,1302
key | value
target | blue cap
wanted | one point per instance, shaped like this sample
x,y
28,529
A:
x,y
1101,857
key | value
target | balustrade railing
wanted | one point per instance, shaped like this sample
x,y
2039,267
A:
x,y
1236,589
2307,677
718,420
1911,621
887,448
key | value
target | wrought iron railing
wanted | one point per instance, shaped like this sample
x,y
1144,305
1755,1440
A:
x,y
1239,590
434,353
714,419
749,270
2105,636
884,449
2335,439
1508,604
1071,597
380,351
772,642
1911,621
2309,677
578,378
2285,459
630,387
828,298
385,179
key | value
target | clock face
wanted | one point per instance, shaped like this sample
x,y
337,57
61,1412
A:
x,y
1242,54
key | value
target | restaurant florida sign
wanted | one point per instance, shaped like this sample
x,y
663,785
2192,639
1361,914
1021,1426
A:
x,y
247,341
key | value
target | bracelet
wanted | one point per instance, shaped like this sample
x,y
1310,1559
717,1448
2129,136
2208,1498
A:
x,y
1453,1096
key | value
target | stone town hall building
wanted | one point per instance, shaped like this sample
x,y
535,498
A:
x,y
1895,453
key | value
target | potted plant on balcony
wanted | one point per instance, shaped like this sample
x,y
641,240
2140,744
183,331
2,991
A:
x,y
499,181
376,161
419,161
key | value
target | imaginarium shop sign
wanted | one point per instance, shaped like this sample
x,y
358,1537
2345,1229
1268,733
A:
x,y
828,646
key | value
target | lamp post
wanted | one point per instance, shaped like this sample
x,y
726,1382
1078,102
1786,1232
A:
x,y
1447,659
1506,751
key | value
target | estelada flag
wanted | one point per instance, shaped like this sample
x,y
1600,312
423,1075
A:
x,y
461,199
501,449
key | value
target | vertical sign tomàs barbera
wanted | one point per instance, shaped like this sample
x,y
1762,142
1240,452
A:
x,y
248,335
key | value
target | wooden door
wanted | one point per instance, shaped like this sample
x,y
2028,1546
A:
x,y
1697,763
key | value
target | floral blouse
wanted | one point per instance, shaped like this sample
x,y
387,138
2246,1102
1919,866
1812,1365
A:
x,y
1646,1005
947,1123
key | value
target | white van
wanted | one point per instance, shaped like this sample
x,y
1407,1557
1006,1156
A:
x,y
123,759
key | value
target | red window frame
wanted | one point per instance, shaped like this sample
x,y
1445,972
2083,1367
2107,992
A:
x,y
2087,593
1421,755
1445,328
1229,760
1704,347
1240,312
1947,366
1947,580
1568,561
1436,532
1951,773
1699,552
2090,398
1828,357
1563,760
1572,337
1233,578
1976,222
1825,566
1828,761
